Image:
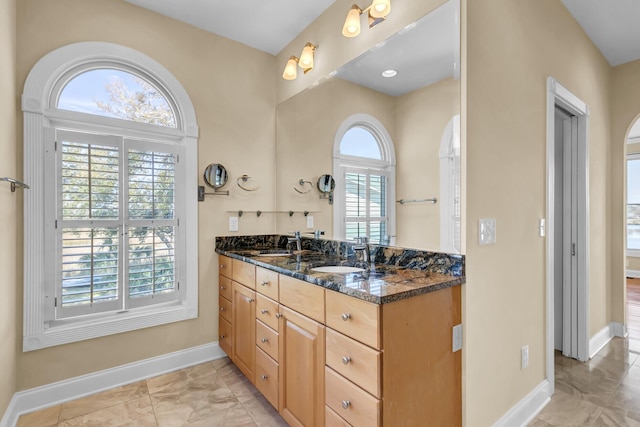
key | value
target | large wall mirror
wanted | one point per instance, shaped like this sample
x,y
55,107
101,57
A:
x,y
418,108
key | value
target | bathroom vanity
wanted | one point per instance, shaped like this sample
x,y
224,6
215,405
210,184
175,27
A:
x,y
370,347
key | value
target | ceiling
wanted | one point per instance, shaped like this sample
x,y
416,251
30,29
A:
x,y
424,55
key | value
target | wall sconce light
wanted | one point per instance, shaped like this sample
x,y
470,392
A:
x,y
306,57
377,12
305,62
291,70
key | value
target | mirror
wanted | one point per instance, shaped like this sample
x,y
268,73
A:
x,y
215,175
326,184
417,108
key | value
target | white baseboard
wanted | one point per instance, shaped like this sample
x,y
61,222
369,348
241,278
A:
x,y
530,406
63,391
633,273
599,340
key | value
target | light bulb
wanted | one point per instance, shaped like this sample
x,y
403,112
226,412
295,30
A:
x,y
351,26
380,8
290,70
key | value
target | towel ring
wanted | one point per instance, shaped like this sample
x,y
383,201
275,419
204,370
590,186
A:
x,y
244,179
302,182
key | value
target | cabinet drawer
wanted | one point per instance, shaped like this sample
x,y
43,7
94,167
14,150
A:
x,y
225,308
225,287
302,297
267,339
331,419
354,361
353,317
244,273
225,336
267,311
267,282
349,401
226,266
267,377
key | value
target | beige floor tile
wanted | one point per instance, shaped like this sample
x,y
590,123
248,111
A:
x,y
263,413
612,418
568,411
138,413
633,376
618,349
626,398
235,416
193,401
594,387
603,367
47,417
103,400
180,378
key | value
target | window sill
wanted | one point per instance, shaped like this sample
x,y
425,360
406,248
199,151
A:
x,y
633,253
68,331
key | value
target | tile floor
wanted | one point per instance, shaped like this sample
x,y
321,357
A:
x,y
211,394
604,391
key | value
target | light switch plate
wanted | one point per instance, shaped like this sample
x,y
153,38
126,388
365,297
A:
x,y
233,223
457,338
310,221
487,231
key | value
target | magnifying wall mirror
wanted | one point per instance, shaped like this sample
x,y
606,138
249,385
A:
x,y
215,176
326,185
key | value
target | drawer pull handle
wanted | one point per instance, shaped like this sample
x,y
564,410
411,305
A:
x,y
264,283
346,316
264,311
278,315
346,404
250,300
264,377
222,309
222,288
346,360
221,265
264,340
222,337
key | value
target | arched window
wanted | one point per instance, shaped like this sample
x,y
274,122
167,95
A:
x,y
364,168
111,237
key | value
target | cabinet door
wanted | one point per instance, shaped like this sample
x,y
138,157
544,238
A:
x,y
301,370
244,329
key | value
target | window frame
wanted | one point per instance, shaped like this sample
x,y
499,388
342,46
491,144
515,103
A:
x,y
629,252
42,87
343,163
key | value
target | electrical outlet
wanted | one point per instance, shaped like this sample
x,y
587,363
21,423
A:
x,y
310,222
524,355
457,338
233,223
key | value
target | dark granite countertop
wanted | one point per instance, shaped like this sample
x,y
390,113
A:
x,y
381,283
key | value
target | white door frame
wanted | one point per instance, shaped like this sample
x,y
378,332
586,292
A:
x,y
559,95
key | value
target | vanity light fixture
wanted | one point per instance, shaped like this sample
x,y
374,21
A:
x,y
306,57
291,70
377,12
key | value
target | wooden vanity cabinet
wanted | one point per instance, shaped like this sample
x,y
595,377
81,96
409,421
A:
x,y
244,324
225,295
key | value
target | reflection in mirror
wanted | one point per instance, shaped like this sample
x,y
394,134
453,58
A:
x,y
215,175
326,184
416,107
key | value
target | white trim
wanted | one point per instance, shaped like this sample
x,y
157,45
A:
x,y
601,338
559,95
633,273
526,409
449,165
27,401
38,116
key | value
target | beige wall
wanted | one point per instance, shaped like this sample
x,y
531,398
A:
x,y
511,49
231,87
306,128
421,118
10,213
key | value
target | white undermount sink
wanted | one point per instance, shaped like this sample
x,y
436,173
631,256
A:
x,y
337,269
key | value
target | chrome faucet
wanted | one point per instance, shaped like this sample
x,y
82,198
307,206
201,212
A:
x,y
297,239
362,247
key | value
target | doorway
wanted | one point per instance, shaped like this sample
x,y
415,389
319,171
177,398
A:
x,y
567,226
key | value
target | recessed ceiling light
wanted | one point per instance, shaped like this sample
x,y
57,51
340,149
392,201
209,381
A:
x,y
389,73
